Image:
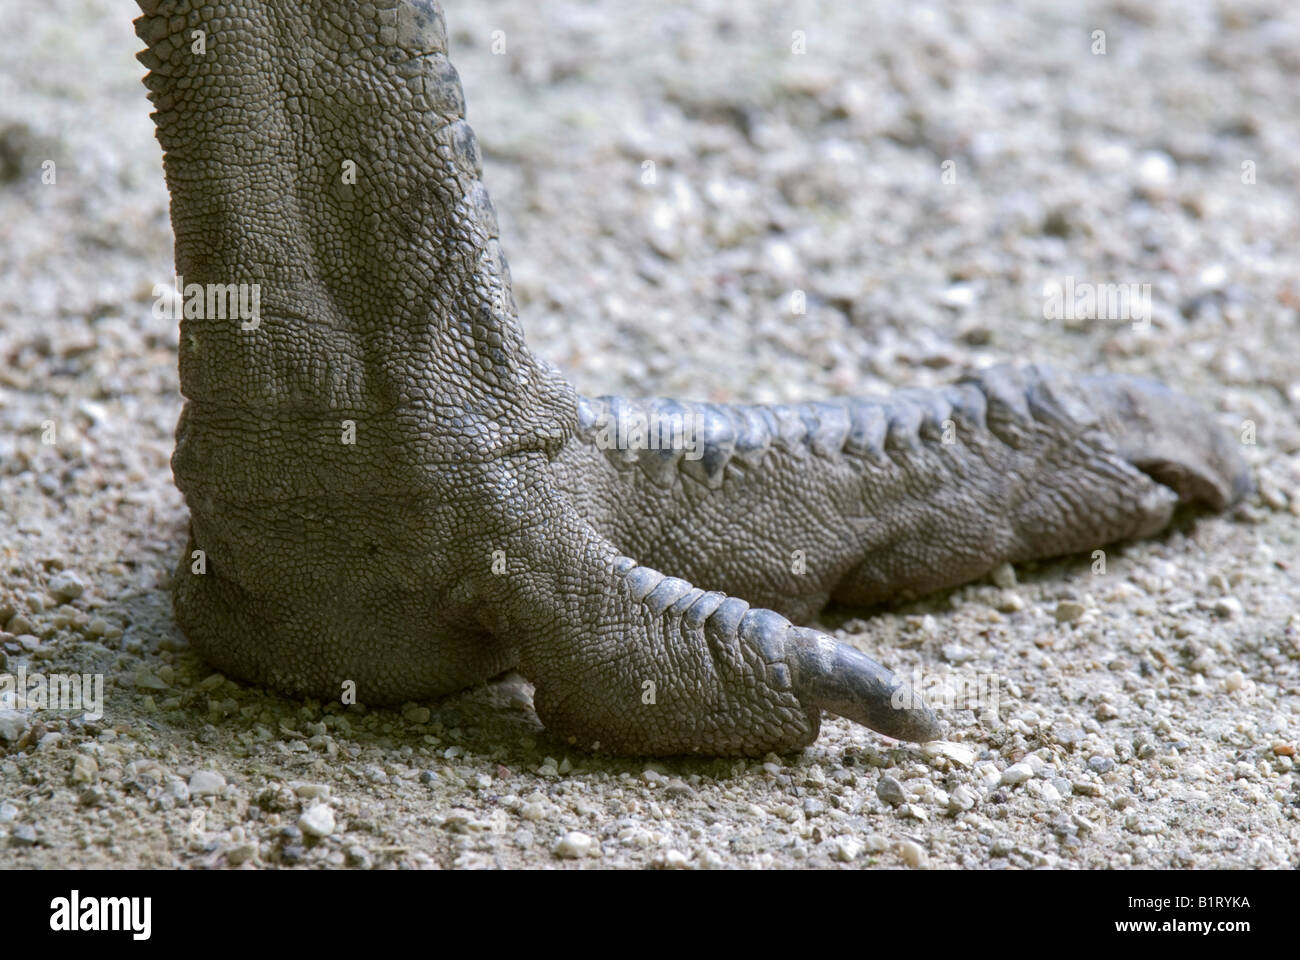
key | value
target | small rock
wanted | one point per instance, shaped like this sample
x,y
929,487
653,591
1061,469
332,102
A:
x,y
679,789
145,680
1156,169
1068,611
955,653
311,791
205,782
961,799
958,753
84,768
1004,576
533,811
674,860
875,843
845,849
241,853
1101,764
317,821
573,845
1228,607
13,724
911,853
23,835
92,797
1010,601
890,791
1016,774
1284,749
418,715
1234,681
66,586
1106,711
8,813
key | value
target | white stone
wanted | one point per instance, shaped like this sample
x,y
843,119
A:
x,y
573,845
317,821
911,853
205,782
1016,774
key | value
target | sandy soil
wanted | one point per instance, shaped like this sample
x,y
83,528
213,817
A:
x,y
1147,715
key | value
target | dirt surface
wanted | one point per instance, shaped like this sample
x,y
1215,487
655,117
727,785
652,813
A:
x,y
922,173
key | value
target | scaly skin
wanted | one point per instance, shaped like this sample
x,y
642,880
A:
x,y
473,524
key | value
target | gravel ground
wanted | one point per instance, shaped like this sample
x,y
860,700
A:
x,y
1147,714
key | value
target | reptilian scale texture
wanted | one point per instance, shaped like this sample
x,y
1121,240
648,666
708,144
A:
x,y
388,489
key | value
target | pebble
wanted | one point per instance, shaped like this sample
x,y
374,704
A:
x,y
1228,607
8,812
66,586
23,835
1155,169
961,799
673,860
845,849
1234,681
84,768
1101,764
317,821
875,843
955,653
1283,749
145,680
1106,711
1068,611
1004,576
205,782
418,714
959,754
13,724
911,853
1017,773
890,791
573,845
241,853
678,789
1010,601
311,791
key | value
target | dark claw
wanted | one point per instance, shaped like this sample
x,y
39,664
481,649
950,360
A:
x,y
846,682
